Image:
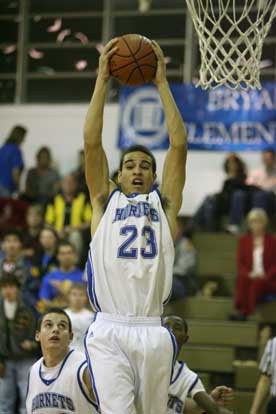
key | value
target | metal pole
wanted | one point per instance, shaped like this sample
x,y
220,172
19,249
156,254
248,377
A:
x,y
189,50
22,52
107,33
107,27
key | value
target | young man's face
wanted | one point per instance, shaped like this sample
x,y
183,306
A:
x,y
66,256
9,292
12,245
54,333
136,175
178,330
77,298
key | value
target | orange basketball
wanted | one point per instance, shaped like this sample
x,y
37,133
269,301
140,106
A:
x,y
135,62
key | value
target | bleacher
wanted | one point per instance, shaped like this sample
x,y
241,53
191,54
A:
x,y
221,351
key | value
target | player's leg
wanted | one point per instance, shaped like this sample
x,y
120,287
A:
x,y
8,389
110,371
154,367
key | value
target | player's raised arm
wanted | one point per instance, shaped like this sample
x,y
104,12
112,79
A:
x,y
173,179
96,167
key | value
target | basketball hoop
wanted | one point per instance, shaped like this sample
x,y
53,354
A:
x,y
231,40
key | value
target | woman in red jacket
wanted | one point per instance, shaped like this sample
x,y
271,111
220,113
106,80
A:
x,y
256,264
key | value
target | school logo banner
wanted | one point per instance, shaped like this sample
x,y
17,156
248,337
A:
x,y
216,120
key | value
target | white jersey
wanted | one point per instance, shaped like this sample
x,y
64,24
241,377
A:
x,y
131,257
64,393
184,382
268,364
80,323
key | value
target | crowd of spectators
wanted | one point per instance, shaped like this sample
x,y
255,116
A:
x,y
45,233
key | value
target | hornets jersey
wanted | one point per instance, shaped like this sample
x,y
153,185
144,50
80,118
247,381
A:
x,y
184,382
131,257
64,393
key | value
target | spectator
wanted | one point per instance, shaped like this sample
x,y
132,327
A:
x,y
265,180
265,177
13,262
46,259
80,316
70,213
11,162
184,270
256,265
42,182
55,285
215,206
79,174
34,220
267,382
17,345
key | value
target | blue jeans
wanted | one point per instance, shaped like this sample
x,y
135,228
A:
x,y
15,380
206,216
241,202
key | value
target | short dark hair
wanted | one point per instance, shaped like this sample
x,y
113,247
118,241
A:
x,y
9,279
13,232
64,243
138,148
17,134
54,310
179,319
46,150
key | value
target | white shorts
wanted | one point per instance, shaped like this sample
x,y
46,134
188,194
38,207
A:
x,y
130,362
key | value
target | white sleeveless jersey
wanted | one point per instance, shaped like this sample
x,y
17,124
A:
x,y
130,262
184,382
64,394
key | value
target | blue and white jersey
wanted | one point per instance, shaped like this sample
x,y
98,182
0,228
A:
x,y
61,389
131,257
184,382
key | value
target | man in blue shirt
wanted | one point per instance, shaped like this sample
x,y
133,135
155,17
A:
x,y
11,161
55,285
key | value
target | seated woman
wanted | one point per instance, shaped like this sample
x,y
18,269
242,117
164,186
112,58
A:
x,y
208,215
256,265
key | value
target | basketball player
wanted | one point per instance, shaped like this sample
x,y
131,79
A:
x,y
267,382
131,258
185,382
59,382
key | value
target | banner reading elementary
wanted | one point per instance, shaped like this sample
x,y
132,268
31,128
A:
x,y
216,120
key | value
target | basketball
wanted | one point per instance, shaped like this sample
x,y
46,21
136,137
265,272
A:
x,y
134,63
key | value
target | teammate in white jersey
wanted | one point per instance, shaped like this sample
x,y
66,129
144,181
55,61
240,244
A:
x,y
186,382
59,382
131,258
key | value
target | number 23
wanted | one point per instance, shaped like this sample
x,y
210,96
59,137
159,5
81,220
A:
x,y
126,251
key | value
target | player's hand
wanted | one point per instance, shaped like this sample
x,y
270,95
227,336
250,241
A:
x,y
160,75
62,287
223,395
109,50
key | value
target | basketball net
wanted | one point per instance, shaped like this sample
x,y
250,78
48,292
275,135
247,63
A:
x,y
231,40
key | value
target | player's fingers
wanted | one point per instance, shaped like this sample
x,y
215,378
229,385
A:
x,y
110,44
112,51
157,49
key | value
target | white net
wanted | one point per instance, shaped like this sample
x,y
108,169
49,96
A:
x,y
231,35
